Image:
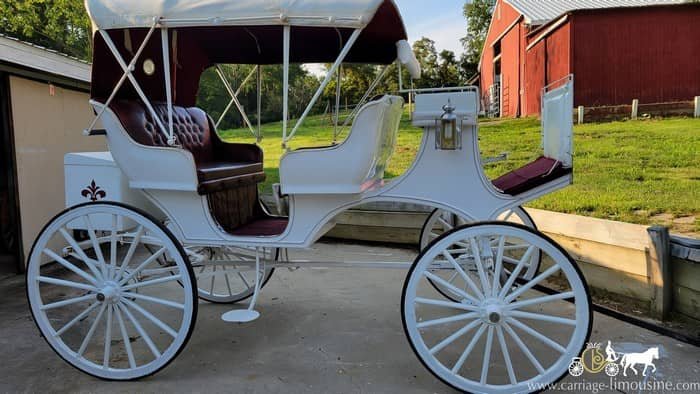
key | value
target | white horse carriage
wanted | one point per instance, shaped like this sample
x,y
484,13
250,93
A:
x,y
171,215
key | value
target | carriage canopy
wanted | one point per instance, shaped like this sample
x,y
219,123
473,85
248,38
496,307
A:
x,y
203,33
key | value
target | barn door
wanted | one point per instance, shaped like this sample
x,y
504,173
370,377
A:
x,y
10,258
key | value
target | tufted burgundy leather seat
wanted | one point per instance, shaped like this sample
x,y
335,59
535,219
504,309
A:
x,y
220,165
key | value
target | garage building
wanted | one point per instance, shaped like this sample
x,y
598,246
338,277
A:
x,y
44,108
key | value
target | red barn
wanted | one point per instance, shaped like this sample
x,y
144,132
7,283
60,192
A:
x,y
618,51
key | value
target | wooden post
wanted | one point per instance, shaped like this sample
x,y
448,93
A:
x,y
581,111
660,272
697,106
635,109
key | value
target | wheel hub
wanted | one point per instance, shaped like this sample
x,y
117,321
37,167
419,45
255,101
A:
x,y
109,293
492,312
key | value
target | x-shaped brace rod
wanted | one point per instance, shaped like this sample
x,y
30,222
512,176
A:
x,y
234,99
128,70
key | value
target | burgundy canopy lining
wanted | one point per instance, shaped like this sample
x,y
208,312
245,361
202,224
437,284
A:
x,y
201,47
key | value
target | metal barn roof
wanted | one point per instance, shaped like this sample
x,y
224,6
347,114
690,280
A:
x,y
48,61
538,12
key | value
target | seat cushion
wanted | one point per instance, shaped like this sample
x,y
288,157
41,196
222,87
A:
x,y
221,170
530,176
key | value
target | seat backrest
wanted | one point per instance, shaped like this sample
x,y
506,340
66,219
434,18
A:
x,y
558,122
191,127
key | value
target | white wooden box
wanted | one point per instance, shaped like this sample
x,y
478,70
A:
x,y
94,176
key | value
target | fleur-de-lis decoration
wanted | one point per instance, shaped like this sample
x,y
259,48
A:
x,y
94,192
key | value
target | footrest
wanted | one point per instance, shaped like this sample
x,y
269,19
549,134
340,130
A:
x,y
530,176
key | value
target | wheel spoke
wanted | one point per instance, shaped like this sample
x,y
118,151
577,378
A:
x,y
499,266
467,351
141,331
76,319
479,263
213,277
95,245
549,272
71,301
81,253
154,300
523,347
91,332
541,300
150,317
108,338
152,282
487,356
125,337
143,265
506,355
132,249
446,320
445,342
65,283
464,275
508,216
70,266
541,317
516,272
457,291
447,304
228,283
445,225
113,247
537,335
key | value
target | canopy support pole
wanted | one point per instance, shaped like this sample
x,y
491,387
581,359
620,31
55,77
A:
x,y
336,120
259,89
398,66
168,88
128,71
234,99
325,82
285,87
123,79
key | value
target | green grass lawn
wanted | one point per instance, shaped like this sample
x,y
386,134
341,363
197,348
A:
x,y
637,171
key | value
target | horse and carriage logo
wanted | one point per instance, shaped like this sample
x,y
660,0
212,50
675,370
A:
x,y
594,360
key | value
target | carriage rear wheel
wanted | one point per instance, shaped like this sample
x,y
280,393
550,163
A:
x,y
221,281
498,337
440,221
105,305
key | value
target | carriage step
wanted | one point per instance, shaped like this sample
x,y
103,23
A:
x,y
240,316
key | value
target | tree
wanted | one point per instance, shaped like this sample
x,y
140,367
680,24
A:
x,y
212,96
448,70
478,14
427,57
62,25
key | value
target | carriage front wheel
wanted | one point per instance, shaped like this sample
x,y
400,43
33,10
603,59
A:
x,y
498,336
106,305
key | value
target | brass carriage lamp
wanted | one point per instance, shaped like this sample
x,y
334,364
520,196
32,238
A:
x,y
449,132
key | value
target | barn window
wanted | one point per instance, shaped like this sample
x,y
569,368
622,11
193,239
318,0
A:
x,y
497,49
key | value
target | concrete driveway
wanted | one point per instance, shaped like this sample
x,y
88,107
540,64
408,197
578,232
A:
x,y
321,331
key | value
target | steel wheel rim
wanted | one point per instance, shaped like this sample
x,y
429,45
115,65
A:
x,y
114,298
474,331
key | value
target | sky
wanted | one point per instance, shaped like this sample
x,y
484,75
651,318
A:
x,y
440,20
445,24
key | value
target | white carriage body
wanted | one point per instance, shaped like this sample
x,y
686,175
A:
x,y
322,183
